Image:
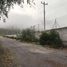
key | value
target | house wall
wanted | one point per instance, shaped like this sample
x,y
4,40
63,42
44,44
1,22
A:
x,y
63,35
62,32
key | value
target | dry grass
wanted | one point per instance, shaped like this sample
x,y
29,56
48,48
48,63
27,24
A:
x,y
6,58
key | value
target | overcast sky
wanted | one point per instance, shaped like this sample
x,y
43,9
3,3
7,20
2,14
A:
x,y
27,17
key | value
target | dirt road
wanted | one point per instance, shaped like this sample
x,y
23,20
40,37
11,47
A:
x,y
30,55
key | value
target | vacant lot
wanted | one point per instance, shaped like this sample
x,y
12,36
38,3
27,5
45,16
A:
x,y
30,55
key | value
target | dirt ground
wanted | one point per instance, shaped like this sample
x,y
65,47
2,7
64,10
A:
x,y
31,55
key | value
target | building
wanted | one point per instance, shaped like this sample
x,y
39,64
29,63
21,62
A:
x,y
63,34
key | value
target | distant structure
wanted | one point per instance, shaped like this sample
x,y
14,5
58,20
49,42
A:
x,y
55,25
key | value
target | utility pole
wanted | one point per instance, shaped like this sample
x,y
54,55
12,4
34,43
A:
x,y
44,12
34,27
38,27
55,23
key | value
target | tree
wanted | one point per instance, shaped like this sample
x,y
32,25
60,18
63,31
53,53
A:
x,y
51,38
28,35
5,6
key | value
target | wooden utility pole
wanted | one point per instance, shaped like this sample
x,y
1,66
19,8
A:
x,y
44,12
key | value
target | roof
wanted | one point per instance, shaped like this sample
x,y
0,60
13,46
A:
x,y
58,28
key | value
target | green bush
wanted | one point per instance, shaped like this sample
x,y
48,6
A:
x,y
44,38
51,39
28,35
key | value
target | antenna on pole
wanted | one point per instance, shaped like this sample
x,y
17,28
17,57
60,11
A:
x,y
44,12
55,25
